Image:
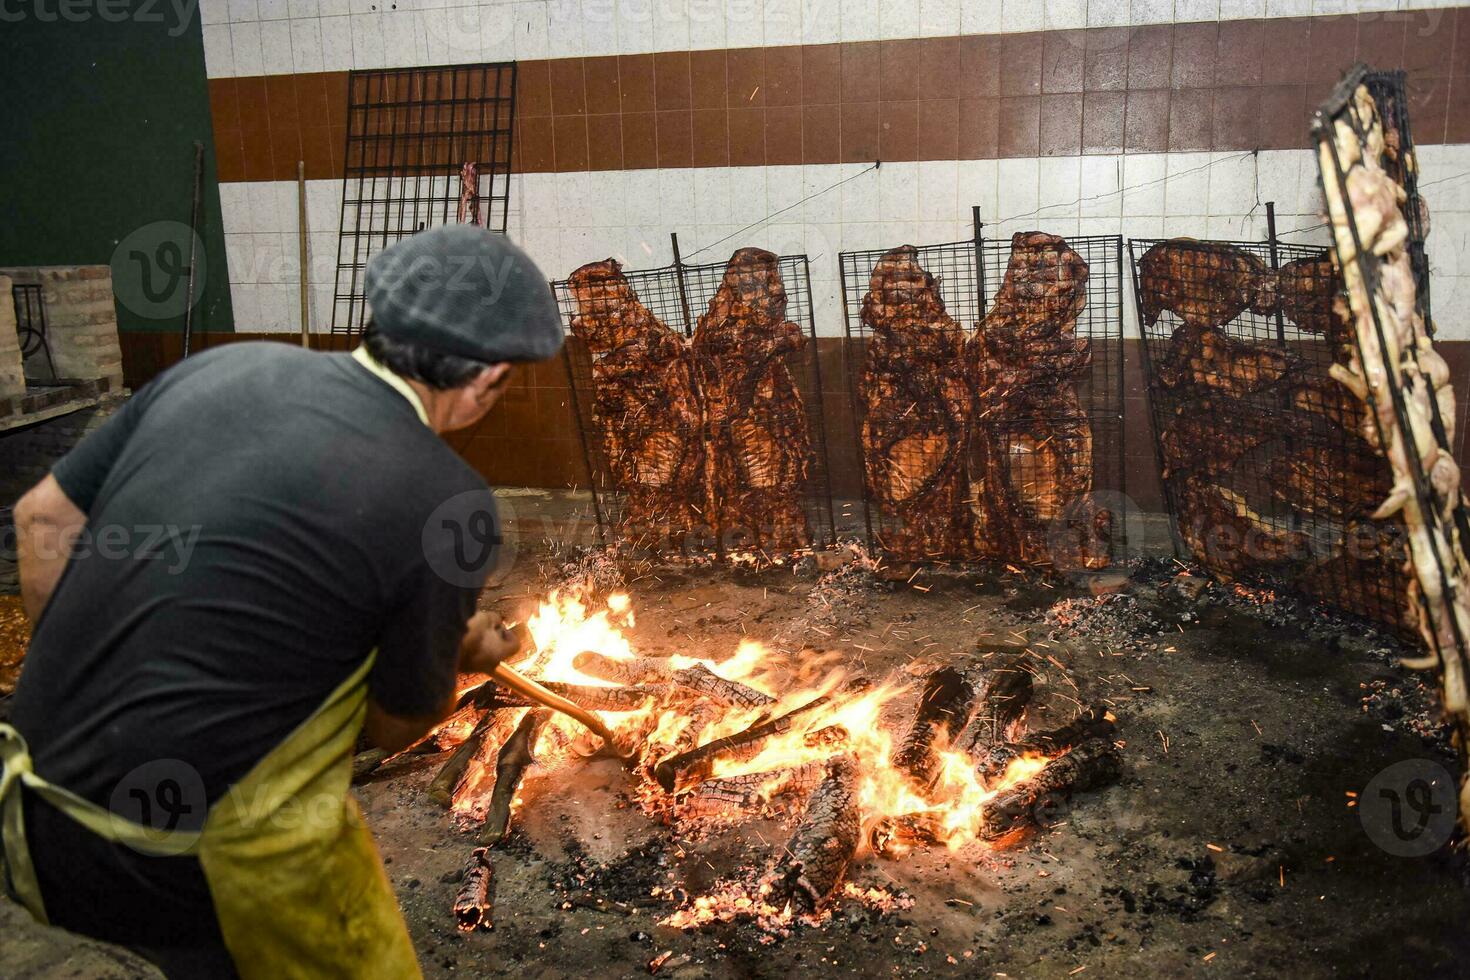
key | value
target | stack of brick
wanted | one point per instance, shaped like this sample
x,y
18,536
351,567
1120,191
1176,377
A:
x,y
12,373
81,320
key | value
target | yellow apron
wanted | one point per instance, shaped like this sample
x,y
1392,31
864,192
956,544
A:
x,y
297,884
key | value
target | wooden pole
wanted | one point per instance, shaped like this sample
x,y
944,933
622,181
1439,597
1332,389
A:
x,y
301,247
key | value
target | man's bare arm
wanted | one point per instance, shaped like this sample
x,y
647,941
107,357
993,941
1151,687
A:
x,y
485,644
46,526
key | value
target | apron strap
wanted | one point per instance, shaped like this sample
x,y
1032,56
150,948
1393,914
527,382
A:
x,y
15,766
18,771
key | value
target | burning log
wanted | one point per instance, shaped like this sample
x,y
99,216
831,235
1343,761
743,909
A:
x,y
749,792
452,773
819,850
366,763
694,765
510,766
1095,722
701,680
698,679
475,901
944,706
1090,765
1001,699
636,670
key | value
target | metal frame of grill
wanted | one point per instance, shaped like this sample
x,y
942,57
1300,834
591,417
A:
x,y
969,275
30,322
1266,481
678,295
409,133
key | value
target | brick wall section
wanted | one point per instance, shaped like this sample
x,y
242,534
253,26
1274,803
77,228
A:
x,y
12,371
1230,85
81,319
26,455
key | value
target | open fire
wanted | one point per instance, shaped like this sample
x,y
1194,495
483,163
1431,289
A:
x,y
937,755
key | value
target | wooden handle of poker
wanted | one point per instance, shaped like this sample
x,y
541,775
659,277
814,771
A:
x,y
524,686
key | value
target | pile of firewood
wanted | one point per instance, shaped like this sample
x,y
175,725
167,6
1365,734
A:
x,y
707,433
978,445
975,709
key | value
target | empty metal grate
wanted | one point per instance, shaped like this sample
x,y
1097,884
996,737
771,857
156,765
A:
x,y
425,146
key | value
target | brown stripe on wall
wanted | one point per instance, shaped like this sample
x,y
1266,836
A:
x,y
1232,85
530,438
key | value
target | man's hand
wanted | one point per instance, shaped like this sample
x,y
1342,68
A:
x,y
487,642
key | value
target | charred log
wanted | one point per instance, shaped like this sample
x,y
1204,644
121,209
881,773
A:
x,y
749,792
944,706
476,900
364,764
510,767
452,773
818,852
694,765
1090,765
1094,722
1001,697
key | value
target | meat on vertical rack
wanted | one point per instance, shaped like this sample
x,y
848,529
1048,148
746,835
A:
x,y
469,195
1030,465
645,405
915,398
1205,284
758,447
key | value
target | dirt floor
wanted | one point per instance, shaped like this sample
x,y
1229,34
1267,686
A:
x,y
1231,845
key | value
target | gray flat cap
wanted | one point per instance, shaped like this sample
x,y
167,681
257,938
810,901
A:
x,y
462,290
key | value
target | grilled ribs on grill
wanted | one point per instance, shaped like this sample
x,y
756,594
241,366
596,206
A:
x,y
1205,284
1307,290
645,407
1205,437
758,445
1030,465
1339,481
1206,357
915,398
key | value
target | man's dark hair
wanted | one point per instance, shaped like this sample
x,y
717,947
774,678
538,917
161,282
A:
x,y
441,371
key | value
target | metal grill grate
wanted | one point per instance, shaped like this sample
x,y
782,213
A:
x,y
425,146
990,426
703,434
1265,473
30,323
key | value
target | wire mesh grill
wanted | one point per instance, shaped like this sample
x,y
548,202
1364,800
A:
x,y
1266,474
425,146
698,394
986,380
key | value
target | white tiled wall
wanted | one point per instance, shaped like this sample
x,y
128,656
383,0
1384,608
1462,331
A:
x,y
252,37
565,220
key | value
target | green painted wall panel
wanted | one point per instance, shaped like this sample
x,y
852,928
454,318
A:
x,y
96,150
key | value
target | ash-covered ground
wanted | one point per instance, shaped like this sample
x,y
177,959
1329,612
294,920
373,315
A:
x,y
1232,844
